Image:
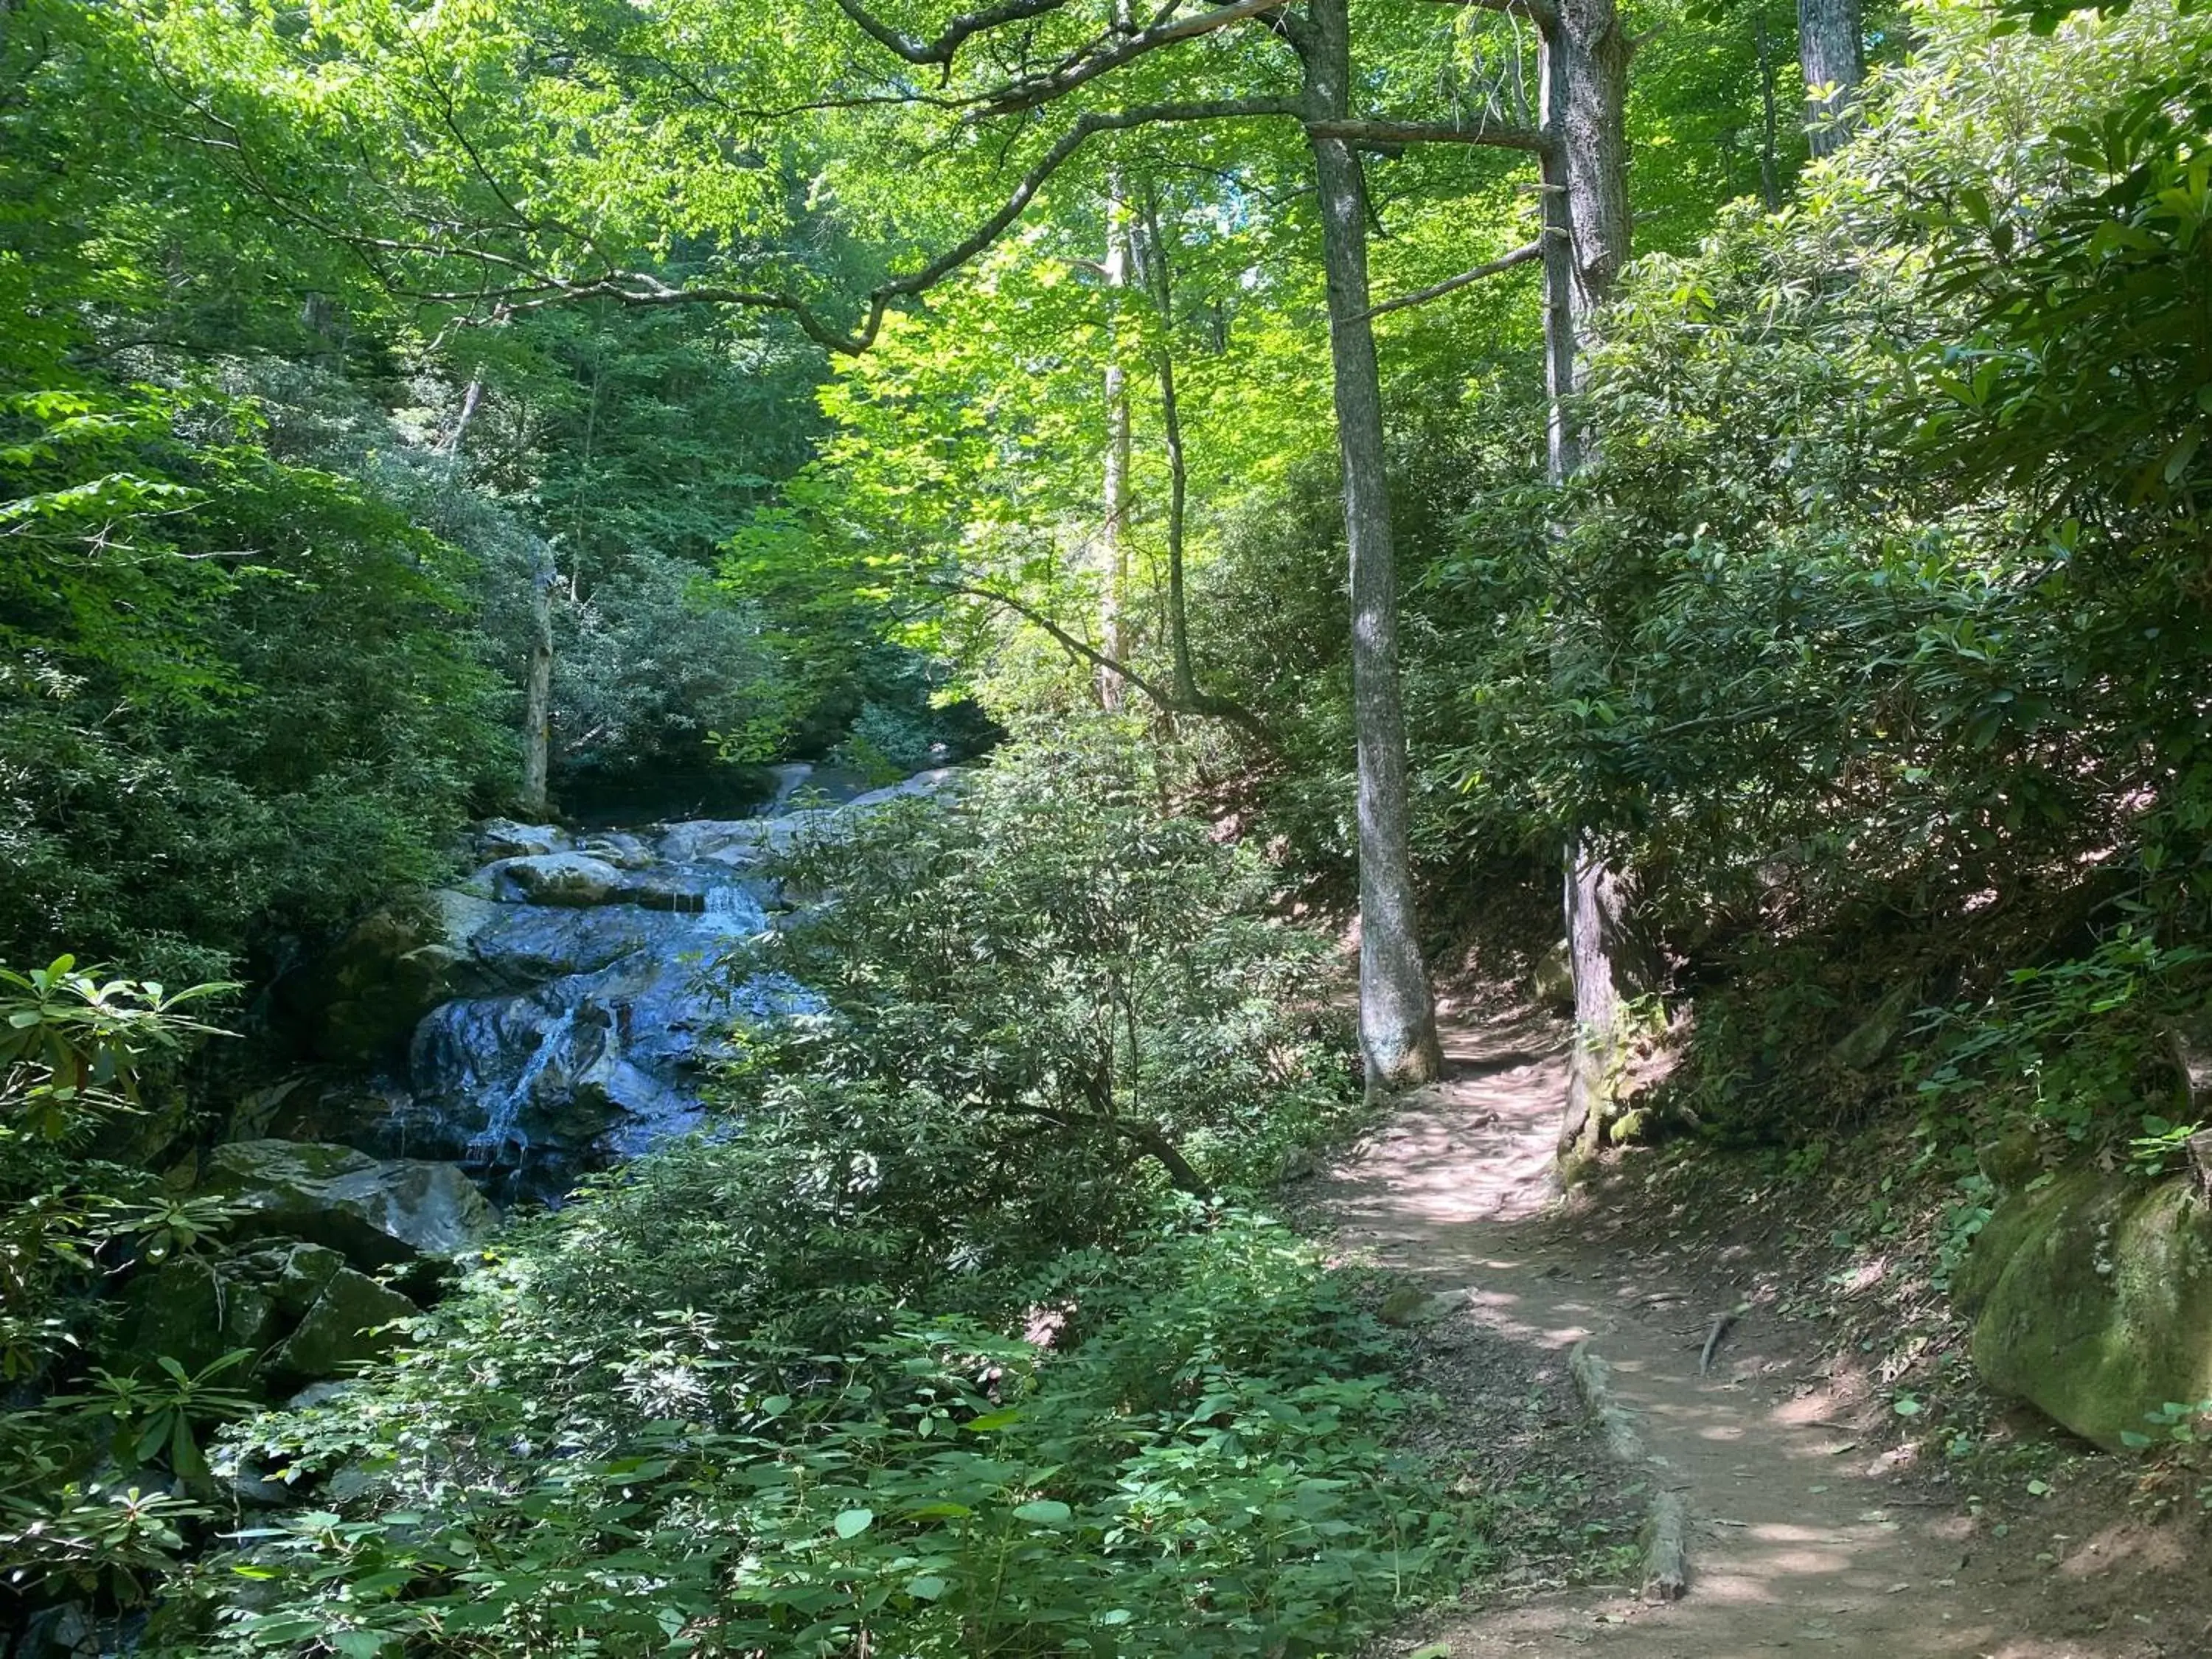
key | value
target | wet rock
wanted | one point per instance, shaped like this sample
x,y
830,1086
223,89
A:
x,y
342,1328
393,967
559,878
941,780
376,1211
686,844
297,1274
622,850
2092,1297
530,944
503,838
315,1106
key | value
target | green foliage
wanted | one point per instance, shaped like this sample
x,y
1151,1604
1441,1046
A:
x,y
2076,1047
928,1355
164,1413
1054,977
1180,1480
74,1047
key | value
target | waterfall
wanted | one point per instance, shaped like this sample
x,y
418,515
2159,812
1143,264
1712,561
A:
x,y
503,1133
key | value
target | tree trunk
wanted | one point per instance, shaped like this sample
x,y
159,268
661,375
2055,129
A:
x,y
1770,161
1831,51
1397,1018
1587,228
1113,544
538,689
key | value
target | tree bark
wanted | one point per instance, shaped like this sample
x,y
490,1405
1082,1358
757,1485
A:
x,y
1397,1016
538,688
1831,51
1587,231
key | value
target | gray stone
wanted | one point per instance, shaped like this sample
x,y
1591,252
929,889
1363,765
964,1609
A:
x,y
376,1211
530,944
686,844
939,781
341,1329
503,838
314,1106
622,850
1873,1037
391,969
558,878
1551,982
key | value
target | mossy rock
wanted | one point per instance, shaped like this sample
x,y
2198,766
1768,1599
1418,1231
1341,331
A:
x,y
378,1212
1871,1040
2092,1297
1551,982
193,1312
393,967
340,1330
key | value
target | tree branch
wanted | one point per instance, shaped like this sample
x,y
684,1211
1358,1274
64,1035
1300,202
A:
x,y
1534,140
1097,59
635,287
956,34
1520,256
1540,12
1151,1137
1161,697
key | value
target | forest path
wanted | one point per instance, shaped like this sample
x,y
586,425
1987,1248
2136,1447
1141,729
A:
x,y
1796,1545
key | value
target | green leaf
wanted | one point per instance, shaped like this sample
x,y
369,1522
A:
x,y
1044,1512
851,1524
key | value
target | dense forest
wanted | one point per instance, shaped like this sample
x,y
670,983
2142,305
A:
x,y
731,730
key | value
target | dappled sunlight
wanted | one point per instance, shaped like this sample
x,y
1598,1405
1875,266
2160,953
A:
x,y
1795,1546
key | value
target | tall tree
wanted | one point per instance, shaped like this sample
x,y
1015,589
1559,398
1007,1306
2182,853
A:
x,y
1587,220
1831,51
681,101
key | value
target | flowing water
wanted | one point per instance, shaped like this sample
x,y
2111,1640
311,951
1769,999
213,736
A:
x,y
604,978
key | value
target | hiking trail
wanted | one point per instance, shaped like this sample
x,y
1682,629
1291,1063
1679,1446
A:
x,y
1799,1539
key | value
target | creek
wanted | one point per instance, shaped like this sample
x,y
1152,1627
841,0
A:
x,y
592,989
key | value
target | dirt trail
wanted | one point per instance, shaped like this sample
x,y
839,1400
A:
x,y
1800,1541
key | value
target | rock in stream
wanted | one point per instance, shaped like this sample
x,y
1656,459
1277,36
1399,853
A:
x,y
586,990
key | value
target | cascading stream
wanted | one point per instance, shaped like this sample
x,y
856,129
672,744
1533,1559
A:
x,y
598,995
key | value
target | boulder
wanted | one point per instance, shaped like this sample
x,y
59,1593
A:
x,y
940,780
194,1313
340,1329
393,967
560,878
503,838
376,1211
1871,1040
2091,1297
530,944
686,844
1552,982
313,1106
620,848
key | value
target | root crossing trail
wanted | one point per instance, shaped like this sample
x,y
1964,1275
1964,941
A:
x,y
1799,1541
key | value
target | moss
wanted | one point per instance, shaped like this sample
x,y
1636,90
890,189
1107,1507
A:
x,y
2092,1296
